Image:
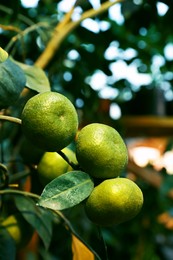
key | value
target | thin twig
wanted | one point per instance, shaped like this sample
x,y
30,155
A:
x,y
19,192
21,34
94,12
64,28
11,119
10,28
6,9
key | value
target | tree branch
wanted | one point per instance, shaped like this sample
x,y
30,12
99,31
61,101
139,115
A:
x,y
64,28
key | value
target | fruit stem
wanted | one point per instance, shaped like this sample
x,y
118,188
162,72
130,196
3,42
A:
x,y
73,165
11,119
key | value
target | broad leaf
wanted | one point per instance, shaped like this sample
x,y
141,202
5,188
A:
x,y
36,78
12,82
39,218
66,190
80,251
7,245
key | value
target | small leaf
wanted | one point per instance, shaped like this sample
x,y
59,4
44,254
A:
x,y
36,78
39,218
66,190
7,245
12,82
80,251
3,55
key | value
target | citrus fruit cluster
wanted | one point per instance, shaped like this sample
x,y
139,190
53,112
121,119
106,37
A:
x,y
102,153
50,121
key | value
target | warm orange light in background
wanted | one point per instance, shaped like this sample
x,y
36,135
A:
x,y
143,156
151,152
167,161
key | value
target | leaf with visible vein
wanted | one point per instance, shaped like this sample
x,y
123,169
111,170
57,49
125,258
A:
x,y
66,190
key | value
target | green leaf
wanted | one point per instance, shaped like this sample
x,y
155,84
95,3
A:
x,y
7,245
3,55
39,218
36,78
12,82
66,190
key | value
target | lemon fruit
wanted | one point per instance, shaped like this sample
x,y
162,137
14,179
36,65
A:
x,y
50,121
101,151
53,165
114,201
18,228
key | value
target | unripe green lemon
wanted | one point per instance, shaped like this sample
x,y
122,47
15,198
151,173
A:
x,y
114,201
18,228
50,121
101,151
53,165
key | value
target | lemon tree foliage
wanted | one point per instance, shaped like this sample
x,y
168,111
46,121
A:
x,y
3,55
39,219
66,190
7,245
12,82
36,78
